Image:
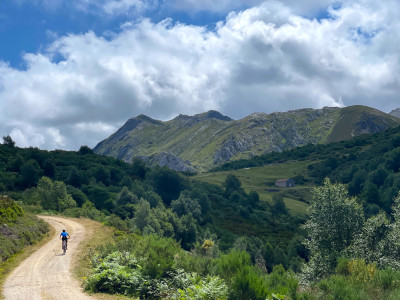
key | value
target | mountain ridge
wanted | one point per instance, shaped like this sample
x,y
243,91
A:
x,y
202,141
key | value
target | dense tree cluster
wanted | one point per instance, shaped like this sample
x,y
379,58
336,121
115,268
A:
x,y
151,201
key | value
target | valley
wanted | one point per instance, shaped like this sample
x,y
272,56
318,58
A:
x,y
174,233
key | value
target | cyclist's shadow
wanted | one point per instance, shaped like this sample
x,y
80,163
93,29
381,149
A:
x,y
56,253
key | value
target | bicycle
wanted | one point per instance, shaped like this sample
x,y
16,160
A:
x,y
64,246
64,236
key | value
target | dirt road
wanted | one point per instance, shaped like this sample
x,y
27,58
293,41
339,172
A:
x,y
46,273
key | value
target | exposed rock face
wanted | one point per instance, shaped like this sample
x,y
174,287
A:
x,y
199,142
370,124
395,113
169,160
232,146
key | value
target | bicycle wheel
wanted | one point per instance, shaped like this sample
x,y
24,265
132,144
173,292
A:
x,y
64,246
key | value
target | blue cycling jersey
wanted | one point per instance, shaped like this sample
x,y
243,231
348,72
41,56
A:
x,y
64,234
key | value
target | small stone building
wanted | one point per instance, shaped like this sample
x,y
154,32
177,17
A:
x,y
284,182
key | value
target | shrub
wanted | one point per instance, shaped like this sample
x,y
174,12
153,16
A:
x,y
360,271
340,288
245,280
387,279
118,272
282,282
158,254
248,283
196,287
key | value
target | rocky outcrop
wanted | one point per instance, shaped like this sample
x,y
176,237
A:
x,y
169,160
233,145
370,124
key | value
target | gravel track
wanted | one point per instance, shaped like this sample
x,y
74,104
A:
x,y
46,273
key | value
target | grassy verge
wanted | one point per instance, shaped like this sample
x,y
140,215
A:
x,y
97,235
8,266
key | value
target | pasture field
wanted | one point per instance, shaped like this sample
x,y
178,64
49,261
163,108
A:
x,y
262,180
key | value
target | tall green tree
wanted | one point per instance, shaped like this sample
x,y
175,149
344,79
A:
x,y
99,196
49,168
231,183
141,218
334,221
167,183
185,205
279,206
85,150
8,141
101,174
31,173
75,177
390,247
54,195
17,163
126,197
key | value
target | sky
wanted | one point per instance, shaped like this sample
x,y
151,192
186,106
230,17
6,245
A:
x,y
73,71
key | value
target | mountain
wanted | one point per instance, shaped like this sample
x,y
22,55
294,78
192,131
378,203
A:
x,y
395,113
199,142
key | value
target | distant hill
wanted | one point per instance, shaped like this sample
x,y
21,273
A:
x,y
200,142
395,113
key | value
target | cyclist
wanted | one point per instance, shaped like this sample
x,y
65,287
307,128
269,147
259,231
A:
x,y
64,236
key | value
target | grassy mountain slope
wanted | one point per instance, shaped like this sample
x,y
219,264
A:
x,y
200,142
358,119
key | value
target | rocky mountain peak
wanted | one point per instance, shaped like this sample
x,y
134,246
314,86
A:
x,y
395,113
185,120
212,114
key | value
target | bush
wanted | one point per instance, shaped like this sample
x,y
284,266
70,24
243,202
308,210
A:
x,y
159,254
248,283
118,272
340,288
9,210
208,288
387,279
282,282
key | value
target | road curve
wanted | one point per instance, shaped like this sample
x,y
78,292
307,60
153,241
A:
x,y
46,273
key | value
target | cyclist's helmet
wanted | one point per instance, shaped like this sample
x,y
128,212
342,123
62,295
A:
x,y
63,230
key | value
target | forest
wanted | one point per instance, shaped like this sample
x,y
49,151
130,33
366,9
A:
x,y
179,238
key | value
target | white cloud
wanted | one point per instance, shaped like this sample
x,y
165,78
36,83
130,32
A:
x,y
124,6
27,136
267,58
115,8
